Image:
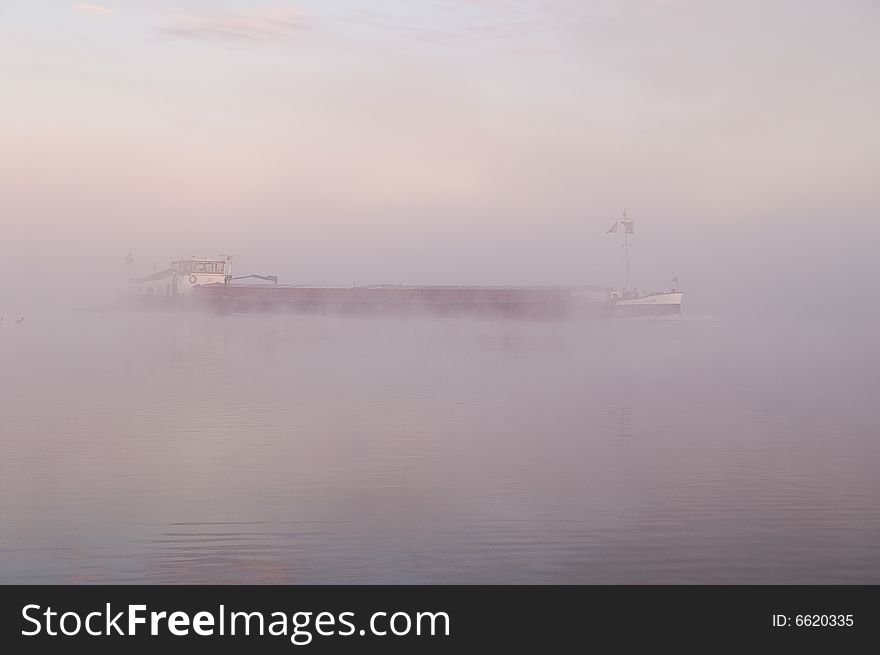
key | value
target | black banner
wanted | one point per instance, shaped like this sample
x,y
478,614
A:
x,y
431,619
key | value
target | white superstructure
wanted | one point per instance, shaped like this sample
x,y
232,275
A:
x,y
180,278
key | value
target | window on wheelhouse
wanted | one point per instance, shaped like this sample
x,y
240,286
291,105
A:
x,y
208,267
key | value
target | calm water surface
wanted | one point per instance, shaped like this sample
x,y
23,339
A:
x,y
194,448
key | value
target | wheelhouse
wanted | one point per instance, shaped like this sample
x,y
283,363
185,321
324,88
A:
x,y
183,274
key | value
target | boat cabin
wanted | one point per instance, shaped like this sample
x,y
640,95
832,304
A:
x,y
182,276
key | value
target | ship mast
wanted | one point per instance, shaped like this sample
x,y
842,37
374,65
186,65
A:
x,y
129,264
628,228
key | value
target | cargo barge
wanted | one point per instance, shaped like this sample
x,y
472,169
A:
x,y
208,285
522,302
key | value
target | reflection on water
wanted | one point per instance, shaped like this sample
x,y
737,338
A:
x,y
191,448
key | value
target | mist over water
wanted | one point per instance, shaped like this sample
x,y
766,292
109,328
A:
x,y
162,447
442,143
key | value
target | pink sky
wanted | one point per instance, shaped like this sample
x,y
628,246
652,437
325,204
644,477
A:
x,y
460,142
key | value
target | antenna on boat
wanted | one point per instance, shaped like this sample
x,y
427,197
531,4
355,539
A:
x,y
628,228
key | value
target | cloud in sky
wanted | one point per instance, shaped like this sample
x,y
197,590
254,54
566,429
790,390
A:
x,y
94,10
260,24
454,22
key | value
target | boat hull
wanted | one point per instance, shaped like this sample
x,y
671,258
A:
x,y
508,302
658,304
525,302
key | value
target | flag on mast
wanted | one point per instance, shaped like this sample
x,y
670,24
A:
x,y
628,223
